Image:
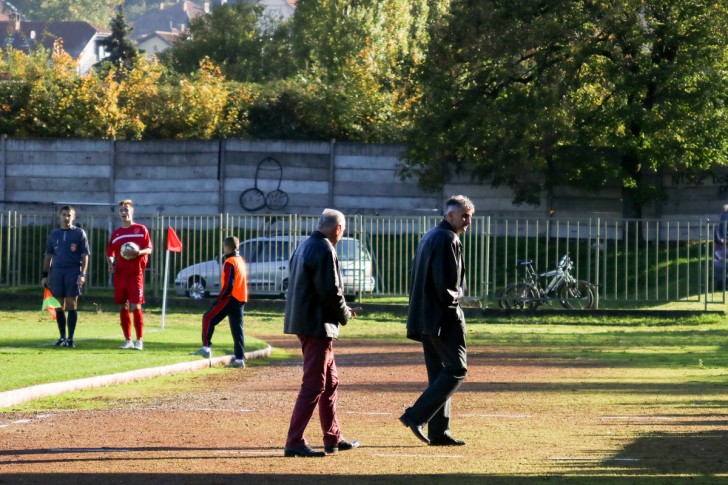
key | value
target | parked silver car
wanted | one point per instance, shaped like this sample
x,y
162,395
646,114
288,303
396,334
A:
x,y
266,259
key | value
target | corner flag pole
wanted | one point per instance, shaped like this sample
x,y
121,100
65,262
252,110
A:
x,y
173,246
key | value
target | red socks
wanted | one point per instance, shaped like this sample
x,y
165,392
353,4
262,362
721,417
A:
x,y
138,323
125,319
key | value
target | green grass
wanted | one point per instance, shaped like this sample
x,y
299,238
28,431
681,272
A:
x,y
28,355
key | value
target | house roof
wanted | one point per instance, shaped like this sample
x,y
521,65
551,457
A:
x,y
7,11
168,18
75,35
168,37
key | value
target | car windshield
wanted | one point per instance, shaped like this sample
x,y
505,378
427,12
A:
x,y
349,249
265,250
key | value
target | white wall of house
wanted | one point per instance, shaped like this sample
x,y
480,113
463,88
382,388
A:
x,y
91,54
277,9
153,46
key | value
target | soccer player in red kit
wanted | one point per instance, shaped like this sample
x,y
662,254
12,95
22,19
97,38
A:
x,y
129,273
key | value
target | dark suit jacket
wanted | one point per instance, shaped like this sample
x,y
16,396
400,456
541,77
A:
x,y
436,284
315,304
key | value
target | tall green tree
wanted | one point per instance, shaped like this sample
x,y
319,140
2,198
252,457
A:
x,y
120,47
356,59
231,36
533,94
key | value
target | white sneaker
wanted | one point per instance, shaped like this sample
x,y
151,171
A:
x,y
138,345
127,345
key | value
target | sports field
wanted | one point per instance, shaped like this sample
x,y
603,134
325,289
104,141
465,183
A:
x,y
547,399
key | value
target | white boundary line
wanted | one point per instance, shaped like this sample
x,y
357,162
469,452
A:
x,y
414,455
18,396
580,458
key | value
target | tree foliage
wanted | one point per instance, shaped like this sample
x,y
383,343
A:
x,y
231,37
118,45
96,12
50,99
533,94
343,69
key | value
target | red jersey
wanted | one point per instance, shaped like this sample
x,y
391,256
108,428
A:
x,y
135,233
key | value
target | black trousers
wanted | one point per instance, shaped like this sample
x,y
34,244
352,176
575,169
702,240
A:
x,y
232,309
446,362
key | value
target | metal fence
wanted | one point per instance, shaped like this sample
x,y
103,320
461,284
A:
x,y
630,262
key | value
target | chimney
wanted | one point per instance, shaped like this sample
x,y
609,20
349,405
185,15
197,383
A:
x,y
206,7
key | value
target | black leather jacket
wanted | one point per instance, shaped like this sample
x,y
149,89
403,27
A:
x,y
315,304
436,284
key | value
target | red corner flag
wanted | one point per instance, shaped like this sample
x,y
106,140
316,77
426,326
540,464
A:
x,y
173,243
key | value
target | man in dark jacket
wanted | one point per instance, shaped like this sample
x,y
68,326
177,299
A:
x,y
315,307
436,319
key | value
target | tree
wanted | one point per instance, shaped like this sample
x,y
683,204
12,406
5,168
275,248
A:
x,y
97,12
533,94
18,72
54,108
195,107
121,49
231,37
356,60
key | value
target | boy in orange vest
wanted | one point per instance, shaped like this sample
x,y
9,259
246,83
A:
x,y
230,303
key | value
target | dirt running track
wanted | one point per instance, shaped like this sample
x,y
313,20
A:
x,y
520,416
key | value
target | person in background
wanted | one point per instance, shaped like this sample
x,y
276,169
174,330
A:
x,y
721,249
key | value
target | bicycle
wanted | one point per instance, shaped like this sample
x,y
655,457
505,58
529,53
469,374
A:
x,y
530,293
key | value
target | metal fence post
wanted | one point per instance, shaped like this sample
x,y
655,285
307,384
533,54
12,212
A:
x,y
596,263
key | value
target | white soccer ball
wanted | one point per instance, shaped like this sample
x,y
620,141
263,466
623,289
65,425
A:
x,y
129,250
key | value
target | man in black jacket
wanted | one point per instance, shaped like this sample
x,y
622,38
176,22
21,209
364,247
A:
x,y
315,307
436,319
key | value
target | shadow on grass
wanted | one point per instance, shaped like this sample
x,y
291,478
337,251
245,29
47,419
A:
x,y
677,453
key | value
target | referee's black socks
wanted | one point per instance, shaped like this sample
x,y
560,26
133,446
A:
x,y
72,319
61,322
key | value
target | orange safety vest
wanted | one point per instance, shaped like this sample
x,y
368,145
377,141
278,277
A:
x,y
240,285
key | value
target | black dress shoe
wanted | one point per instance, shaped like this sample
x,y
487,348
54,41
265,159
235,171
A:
x,y
304,451
414,427
342,445
446,440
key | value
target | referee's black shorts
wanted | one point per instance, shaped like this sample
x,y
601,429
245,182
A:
x,y
64,282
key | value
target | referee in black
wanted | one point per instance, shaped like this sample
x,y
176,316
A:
x,y
66,259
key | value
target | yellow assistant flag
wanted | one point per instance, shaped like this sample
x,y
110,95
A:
x,y
49,303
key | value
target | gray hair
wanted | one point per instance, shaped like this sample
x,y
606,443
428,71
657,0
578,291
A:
x,y
330,218
459,201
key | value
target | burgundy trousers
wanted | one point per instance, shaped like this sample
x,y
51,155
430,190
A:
x,y
318,388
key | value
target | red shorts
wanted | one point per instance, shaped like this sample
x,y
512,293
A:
x,y
129,288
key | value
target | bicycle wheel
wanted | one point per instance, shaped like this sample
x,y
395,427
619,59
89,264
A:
x,y
577,296
520,296
502,301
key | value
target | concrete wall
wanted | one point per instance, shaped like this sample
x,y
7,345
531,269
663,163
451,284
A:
x,y
278,177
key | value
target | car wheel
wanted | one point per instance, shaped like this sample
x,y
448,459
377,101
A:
x,y
284,289
196,288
